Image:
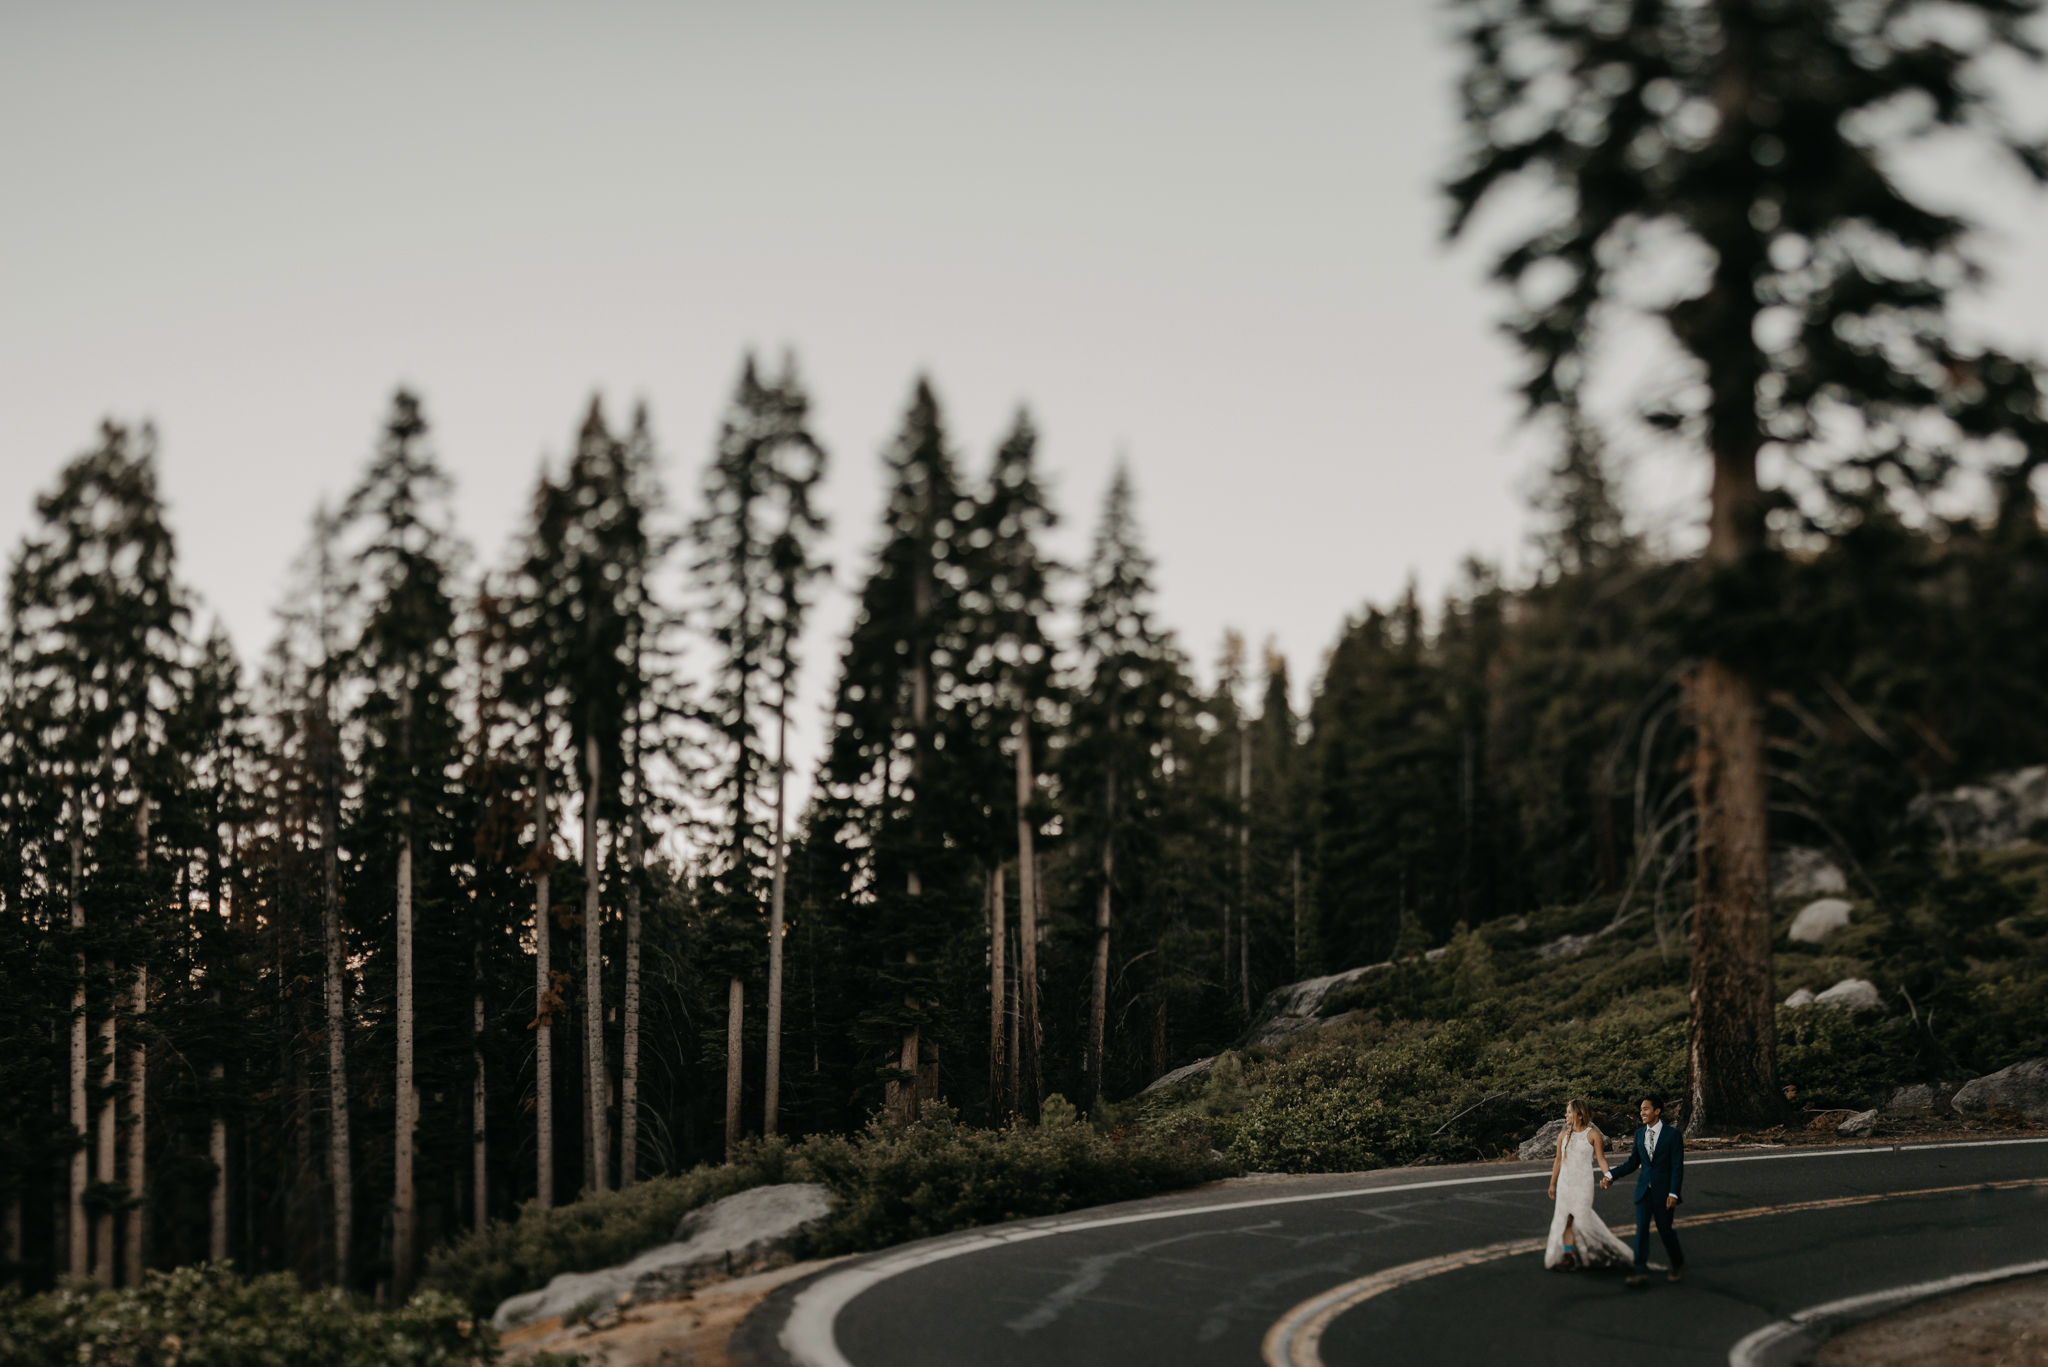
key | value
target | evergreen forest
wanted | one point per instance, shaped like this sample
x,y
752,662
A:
x,y
486,884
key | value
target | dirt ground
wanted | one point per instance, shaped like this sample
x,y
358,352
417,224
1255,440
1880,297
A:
x,y
690,1332
1998,1326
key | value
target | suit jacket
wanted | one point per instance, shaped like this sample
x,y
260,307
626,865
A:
x,y
1662,1175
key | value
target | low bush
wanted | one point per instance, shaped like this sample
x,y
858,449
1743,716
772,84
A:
x,y
894,1183
208,1317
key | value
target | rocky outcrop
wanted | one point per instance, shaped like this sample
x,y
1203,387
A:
x,y
1851,994
1863,1122
1817,921
1565,946
1923,1096
1800,871
2022,1088
1290,1009
1986,816
751,1232
1185,1073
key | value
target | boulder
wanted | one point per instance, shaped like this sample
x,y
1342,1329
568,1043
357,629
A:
x,y
1816,921
1923,1096
1565,947
1801,871
1851,994
1863,1122
1988,815
1185,1073
1541,1144
751,1232
1803,997
2022,1087
1292,1008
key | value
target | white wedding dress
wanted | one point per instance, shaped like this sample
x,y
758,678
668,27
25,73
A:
x,y
1577,1180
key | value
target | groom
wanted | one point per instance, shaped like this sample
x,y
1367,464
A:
x,y
1658,1160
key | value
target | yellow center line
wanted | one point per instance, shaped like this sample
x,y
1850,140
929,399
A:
x,y
1295,1340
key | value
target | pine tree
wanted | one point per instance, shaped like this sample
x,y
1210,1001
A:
x,y
1817,320
1129,715
405,661
888,801
586,571
756,562
98,663
1008,672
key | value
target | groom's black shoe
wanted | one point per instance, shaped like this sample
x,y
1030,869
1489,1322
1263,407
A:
x,y
1638,1281
1677,1274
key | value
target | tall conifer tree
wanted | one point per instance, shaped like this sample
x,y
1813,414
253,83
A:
x,y
1738,134
405,661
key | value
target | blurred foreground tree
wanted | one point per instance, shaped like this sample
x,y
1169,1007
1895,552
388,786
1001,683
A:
x,y
1724,169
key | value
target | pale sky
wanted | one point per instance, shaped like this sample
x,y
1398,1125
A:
x,y
1202,235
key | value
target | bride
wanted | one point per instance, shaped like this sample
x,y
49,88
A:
x,y
1578,1236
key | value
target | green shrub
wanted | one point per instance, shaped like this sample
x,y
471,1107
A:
x,y
894,1183
207,1317
910,1182
601,1229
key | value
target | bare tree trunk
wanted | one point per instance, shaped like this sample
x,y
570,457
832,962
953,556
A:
x,y
138,1158
771,1104
593,970
543,984
1297,914
76,1231
1011,1086
735,1021
337,1067
1098,996
103,1226
1731,1054
1030,1070
478,1110
998,934
1244,861
404,1200
629,1084
217,1203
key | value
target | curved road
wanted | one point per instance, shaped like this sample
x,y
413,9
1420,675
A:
x,y
1430,1265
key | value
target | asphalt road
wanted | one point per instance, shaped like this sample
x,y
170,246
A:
x,y
1421,1266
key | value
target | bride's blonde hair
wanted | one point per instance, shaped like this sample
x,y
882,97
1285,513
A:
x,y
1579,1111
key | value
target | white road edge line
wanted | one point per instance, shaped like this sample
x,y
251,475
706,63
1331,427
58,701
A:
x,y
1753,1349
808,1337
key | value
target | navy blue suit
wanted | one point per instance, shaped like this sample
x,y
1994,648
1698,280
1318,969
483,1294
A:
x,y
1663,1175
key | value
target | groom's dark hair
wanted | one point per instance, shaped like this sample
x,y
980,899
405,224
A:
x,y
1654,1102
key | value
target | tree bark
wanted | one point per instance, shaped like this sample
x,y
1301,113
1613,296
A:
x,y
217,1203
337,1063
1098,997
404,1200
629,1072
1731,1057
771,1103
735,1021
1030,1071
76,1231
997,936
138,1157
543,984
593,969
478,1110
1244,861
1731,1054
103,1226
1297,915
